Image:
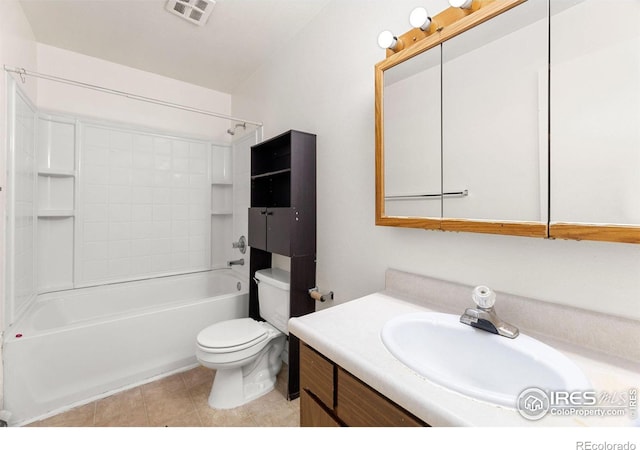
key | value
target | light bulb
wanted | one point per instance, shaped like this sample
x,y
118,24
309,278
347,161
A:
x,y
386,39
464,4
419,18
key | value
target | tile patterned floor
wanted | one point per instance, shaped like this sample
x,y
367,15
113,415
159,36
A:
x,y
180,400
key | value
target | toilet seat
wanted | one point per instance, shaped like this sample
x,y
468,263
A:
x,y
232,336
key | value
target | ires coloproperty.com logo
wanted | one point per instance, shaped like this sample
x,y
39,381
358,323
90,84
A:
x,y
534,403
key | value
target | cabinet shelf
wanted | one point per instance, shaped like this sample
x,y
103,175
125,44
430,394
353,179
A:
x,y
50,213
58,173
270,174
271,189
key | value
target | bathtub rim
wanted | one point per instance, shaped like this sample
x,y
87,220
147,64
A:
x,y
27,331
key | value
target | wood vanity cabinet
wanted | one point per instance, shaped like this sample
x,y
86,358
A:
x,y
332,397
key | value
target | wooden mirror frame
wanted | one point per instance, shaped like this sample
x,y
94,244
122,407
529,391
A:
x,y
629,234
446,25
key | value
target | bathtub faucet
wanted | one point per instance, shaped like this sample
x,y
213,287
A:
x,y
236,262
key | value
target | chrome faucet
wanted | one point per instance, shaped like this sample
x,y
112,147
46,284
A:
x,y
240,245
236,262
484,315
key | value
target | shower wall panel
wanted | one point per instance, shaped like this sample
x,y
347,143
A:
x,y
143,205
22,204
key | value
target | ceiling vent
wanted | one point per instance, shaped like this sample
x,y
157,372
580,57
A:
x,y
195,11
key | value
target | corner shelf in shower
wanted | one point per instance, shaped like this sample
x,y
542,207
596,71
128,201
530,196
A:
x,y
221,198
56,173
52,213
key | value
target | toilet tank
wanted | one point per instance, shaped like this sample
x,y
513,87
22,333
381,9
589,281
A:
x,y
273,296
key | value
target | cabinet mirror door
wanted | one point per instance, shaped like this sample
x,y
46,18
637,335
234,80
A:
x,y
412,164
461,126
595,120
494,118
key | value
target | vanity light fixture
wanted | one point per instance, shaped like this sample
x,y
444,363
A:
x,y
386,39
463,4
466,13
419,18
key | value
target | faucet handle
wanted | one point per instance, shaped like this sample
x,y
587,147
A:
x,y
484,297
241,245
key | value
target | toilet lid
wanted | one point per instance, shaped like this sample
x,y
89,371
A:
x,y
232,333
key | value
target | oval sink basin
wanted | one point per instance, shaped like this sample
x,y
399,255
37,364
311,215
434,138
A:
x,y
477,363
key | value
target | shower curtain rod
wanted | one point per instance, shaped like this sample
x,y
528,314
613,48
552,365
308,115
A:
x,y
23,73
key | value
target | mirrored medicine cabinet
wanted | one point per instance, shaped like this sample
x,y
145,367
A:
x,y
524,120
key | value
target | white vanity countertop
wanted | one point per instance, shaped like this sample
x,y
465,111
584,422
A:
x,y
349,335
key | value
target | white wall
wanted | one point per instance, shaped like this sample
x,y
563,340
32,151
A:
x,y
322,82
71,99
17,48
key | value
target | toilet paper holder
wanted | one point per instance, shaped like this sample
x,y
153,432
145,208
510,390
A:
x,y
315,294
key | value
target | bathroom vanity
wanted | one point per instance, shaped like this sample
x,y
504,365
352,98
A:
x,y
349,378
330,396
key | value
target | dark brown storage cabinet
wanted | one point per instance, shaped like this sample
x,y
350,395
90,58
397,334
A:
x,y
282,220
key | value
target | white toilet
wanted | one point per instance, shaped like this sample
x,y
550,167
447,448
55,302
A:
x,y
247,353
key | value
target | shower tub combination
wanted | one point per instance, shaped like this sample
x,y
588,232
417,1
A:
x,y
71,347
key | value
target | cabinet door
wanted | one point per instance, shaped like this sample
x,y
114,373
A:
x,y
360,406
412,138
595,121
312,414
278,225
258,228
270,230
494,119
316,375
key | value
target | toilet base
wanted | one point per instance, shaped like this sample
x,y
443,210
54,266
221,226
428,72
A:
x,y
233,387
228,390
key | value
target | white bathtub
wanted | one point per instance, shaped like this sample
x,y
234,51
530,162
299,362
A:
x,y
74,346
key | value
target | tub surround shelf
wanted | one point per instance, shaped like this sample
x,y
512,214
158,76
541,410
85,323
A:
x,y
348,336
57,187
221,199
57,173
52,213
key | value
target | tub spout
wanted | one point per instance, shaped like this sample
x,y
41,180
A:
x,y
236,262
